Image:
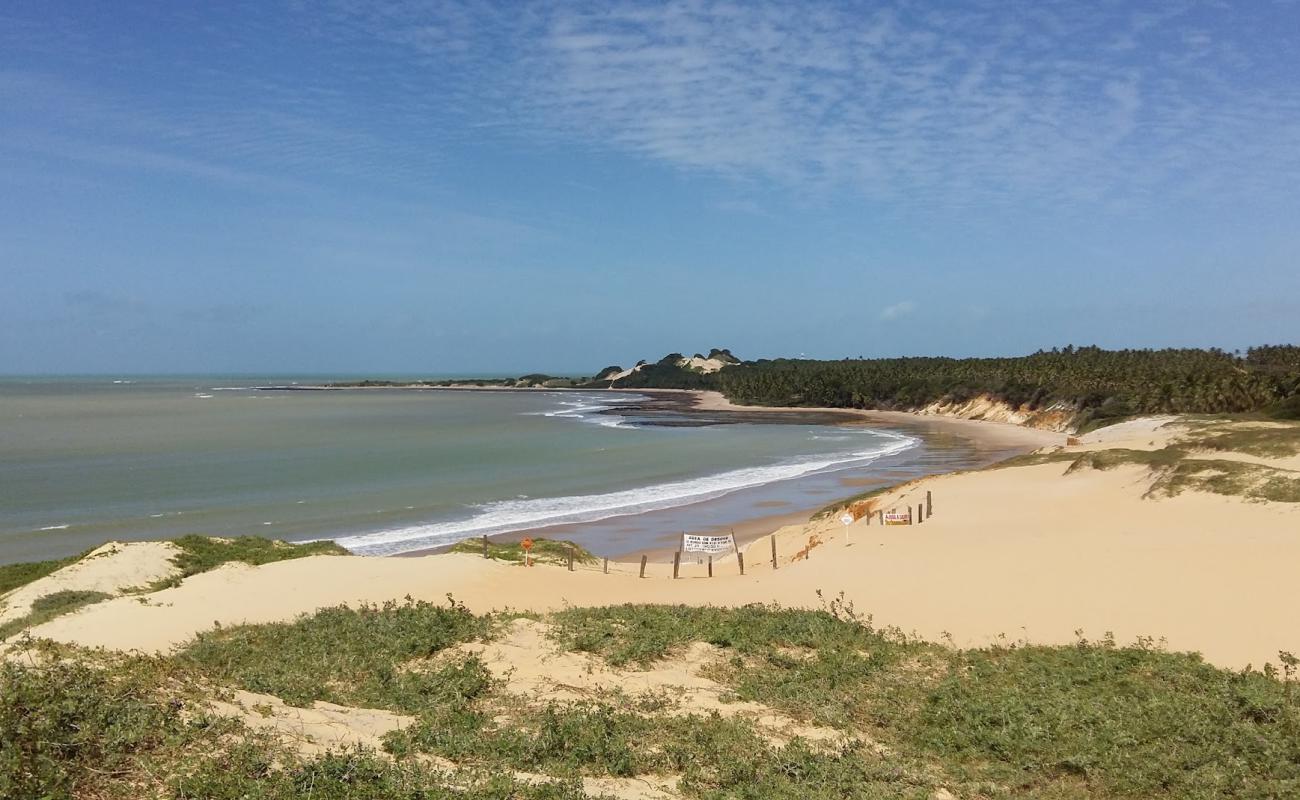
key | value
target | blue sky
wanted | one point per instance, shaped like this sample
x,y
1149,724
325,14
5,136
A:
x,y
384,187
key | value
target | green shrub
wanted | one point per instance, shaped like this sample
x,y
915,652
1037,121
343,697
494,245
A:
x,y
544,551
1286,409
50,606
203,553
347,656
1131,721
14,575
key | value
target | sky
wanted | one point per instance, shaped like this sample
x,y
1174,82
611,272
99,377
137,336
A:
x,y
398,187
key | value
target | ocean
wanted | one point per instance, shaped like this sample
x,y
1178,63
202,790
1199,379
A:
x,y
389,471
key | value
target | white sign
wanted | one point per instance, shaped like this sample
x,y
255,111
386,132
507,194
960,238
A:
x,y
697,543
846,518
895,518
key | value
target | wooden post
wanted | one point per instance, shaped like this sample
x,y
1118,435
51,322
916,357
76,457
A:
x,y
570,558
920,513
929,507
740,559
880,516
773,551
710,566
643,560
485,546
677,563
909,514
607,566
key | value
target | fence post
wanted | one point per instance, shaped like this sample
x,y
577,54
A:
x,y
643,560
485,546
570,558
677,563
607,566
909,514
740,559
929,508
880,516
920,514
774,551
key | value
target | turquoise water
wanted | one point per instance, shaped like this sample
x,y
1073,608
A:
x,y
383,471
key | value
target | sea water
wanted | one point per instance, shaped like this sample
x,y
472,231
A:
x,y
386,471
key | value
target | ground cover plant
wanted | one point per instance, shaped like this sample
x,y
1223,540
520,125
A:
x,y
78,725
349,656
13,576
50,606
544,551
203,553
1089,720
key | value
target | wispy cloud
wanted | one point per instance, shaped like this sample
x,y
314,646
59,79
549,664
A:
x,y
968,105
897,310
965,105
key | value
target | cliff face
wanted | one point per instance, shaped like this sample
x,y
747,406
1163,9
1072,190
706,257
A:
x,y
1059,417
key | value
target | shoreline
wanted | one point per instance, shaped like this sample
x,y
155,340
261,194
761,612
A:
x,y
1006,439
1040,552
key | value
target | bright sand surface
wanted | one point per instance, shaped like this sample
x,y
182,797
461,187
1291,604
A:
x,y
1026,553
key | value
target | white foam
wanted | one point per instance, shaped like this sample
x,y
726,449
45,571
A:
x,y
53,528
586,408
520,514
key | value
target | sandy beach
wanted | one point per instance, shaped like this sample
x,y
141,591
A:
x,y
1027,553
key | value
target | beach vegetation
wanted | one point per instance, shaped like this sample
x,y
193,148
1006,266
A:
x,y
852,500
349,656
544,551
198,554
13,576
1092,719
1286,409
52,605
78,724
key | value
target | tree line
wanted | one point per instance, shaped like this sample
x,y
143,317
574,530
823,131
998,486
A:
x,y
1094,383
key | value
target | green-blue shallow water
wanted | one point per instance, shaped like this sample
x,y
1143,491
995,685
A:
x,y
385,471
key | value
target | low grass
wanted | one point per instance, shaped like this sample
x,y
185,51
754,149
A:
x,y
13,576
1089,720
806,663
1163,458
1096,719
544,551
127,728
1275,440
50,606
1230,478
203,553
349,656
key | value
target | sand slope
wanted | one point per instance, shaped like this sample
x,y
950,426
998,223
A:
x,y
111,568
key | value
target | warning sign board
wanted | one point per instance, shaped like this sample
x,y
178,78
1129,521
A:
x,y
897,518
698,543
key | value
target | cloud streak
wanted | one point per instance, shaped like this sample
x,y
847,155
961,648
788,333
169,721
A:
x,y
970,106
897,310
973,104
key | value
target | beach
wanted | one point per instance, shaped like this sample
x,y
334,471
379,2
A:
x,y
1038,553
394,470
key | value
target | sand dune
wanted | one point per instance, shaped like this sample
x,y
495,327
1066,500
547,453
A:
x,y
111,568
